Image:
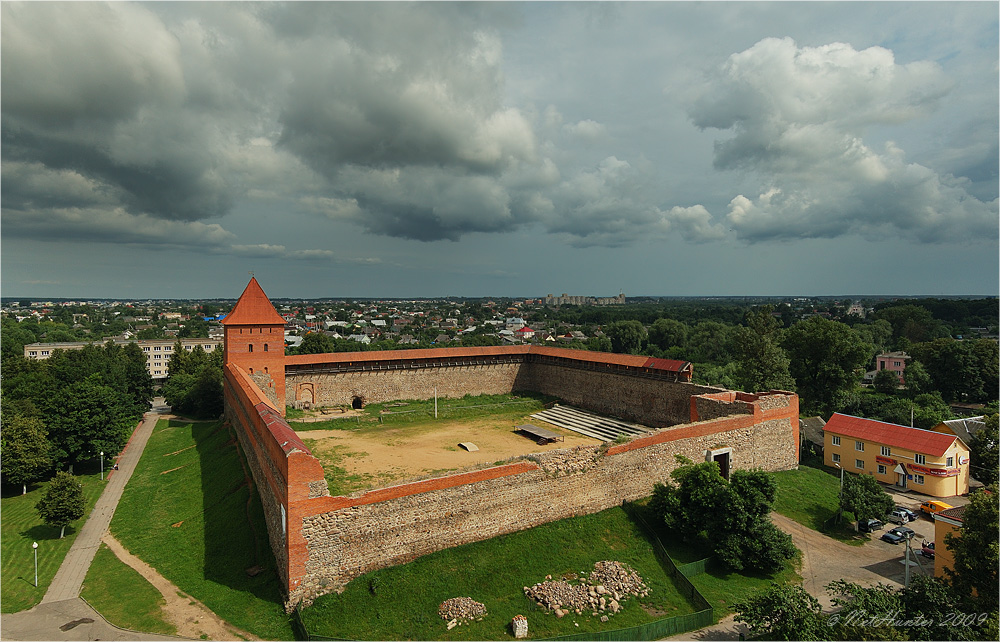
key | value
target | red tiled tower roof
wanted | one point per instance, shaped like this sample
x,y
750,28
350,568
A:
x,y
880,432
253,308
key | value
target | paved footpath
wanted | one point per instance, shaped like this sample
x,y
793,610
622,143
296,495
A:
x,y
62,613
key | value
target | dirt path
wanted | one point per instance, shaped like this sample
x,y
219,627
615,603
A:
x,y
825,559
192,618
390,453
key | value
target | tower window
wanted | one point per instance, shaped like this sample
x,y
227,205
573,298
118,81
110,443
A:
x,y
265,347
250,347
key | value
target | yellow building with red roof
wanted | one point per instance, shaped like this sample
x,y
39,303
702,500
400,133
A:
x,y
928,462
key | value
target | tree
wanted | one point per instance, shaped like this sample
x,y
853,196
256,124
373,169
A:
x,y
783,612
695,504
761,364
975,549
984,452
196,390
667,333
87,417
733,517
137,382
179,358
316,343
866,612
930,601
599,344
62,502
863,496
176,390
957,368
885,382
878,333
826,358
910,322
25,447
916,379
709,341
626,337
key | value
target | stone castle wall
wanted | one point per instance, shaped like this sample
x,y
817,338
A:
x,y
651,401
321,542
334,389
346,537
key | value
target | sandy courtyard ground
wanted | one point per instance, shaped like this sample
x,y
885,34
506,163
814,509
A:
x,y
386,454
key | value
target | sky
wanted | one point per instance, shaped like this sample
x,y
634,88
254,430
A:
x,y
168,150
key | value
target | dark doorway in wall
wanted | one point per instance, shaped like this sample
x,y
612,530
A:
x,y
722,459
357,403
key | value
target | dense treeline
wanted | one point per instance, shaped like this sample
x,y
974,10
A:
x,y
70,407
194,387
958,313
824,360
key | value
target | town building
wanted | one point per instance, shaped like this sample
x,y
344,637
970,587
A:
x,y
157,351
894,361
947,521
925,461
566,299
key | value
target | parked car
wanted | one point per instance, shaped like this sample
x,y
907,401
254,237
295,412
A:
x,y
898,517
870,525
927,549
910,514
897,535
934,506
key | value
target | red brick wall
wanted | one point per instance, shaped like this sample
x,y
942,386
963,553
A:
x,y
321,542
245,347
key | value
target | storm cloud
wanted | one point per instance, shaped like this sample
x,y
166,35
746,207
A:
x,y
313,132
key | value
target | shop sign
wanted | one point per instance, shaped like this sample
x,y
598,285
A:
x,y
963,460
937,472
885,460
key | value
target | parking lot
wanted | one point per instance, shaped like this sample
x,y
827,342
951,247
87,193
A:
x,y
825,560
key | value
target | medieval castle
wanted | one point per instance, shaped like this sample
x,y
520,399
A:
x,y
321,542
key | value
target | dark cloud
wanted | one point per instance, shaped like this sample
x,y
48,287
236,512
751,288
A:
x,y
150,123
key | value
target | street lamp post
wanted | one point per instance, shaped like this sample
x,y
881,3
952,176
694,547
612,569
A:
x,y
102,465
34,545
840,505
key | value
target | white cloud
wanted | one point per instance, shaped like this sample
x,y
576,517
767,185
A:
x,y
587,130
800,116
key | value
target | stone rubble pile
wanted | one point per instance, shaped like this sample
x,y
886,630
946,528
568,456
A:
x,y
459,609
569,461
602,592
618,578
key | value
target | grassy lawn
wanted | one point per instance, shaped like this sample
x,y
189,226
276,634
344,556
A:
x,y
419,410
401,603
21,526
188,513
723,588
337,478
720,586
810,496
123,596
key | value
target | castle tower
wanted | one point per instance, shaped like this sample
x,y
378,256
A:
x,y
254,340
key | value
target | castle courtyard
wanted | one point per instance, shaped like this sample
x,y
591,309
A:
x,y
382,455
